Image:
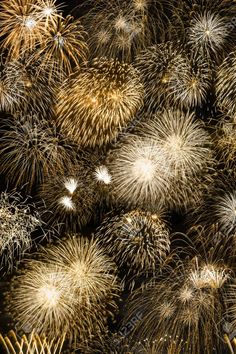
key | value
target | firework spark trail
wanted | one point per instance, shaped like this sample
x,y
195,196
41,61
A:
x,y
99,101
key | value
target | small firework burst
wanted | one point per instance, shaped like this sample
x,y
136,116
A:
x,y
64,45
140,173
225,85
121,29
208,32
186,305
47,10
96,103
70,197
17,224
187,149
21,28
139,239
30,344
170,76
102,175
31,149
70,290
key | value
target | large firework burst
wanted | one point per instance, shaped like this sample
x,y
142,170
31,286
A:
x,y
141,173
70,290
97,102
138,239
91,271
170,76
31,149
186,305
17,224
186,143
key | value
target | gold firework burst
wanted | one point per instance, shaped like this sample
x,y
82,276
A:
x,y
96,103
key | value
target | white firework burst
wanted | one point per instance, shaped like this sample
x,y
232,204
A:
x,y
182,138
208,32
225,211
140,172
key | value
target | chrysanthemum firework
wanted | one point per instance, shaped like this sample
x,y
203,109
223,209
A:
x,y
186,147
186,143
186,305
225,85
120,29
21,28
17,224
64,44
30,344
31,149
96,103
70,290
92,272
208,32
141,173
170,76
70,197
138,239
207,27
41,298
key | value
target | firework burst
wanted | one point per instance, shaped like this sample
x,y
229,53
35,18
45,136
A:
x,y
20,26
64,45
208,32
30,150
140,173
70,290
184,140
170,76
87,265
17,224
70,197
96,103
139,239
187,150
121,29
225,141
186,305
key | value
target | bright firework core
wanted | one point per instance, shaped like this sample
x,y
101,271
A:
x,y
49,296
144,169
67,203
71,185
30,23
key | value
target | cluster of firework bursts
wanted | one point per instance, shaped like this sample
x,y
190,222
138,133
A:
x,y
117,169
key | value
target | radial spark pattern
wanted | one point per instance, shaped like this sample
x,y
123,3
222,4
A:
x,y
31,149
96,103
138,239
